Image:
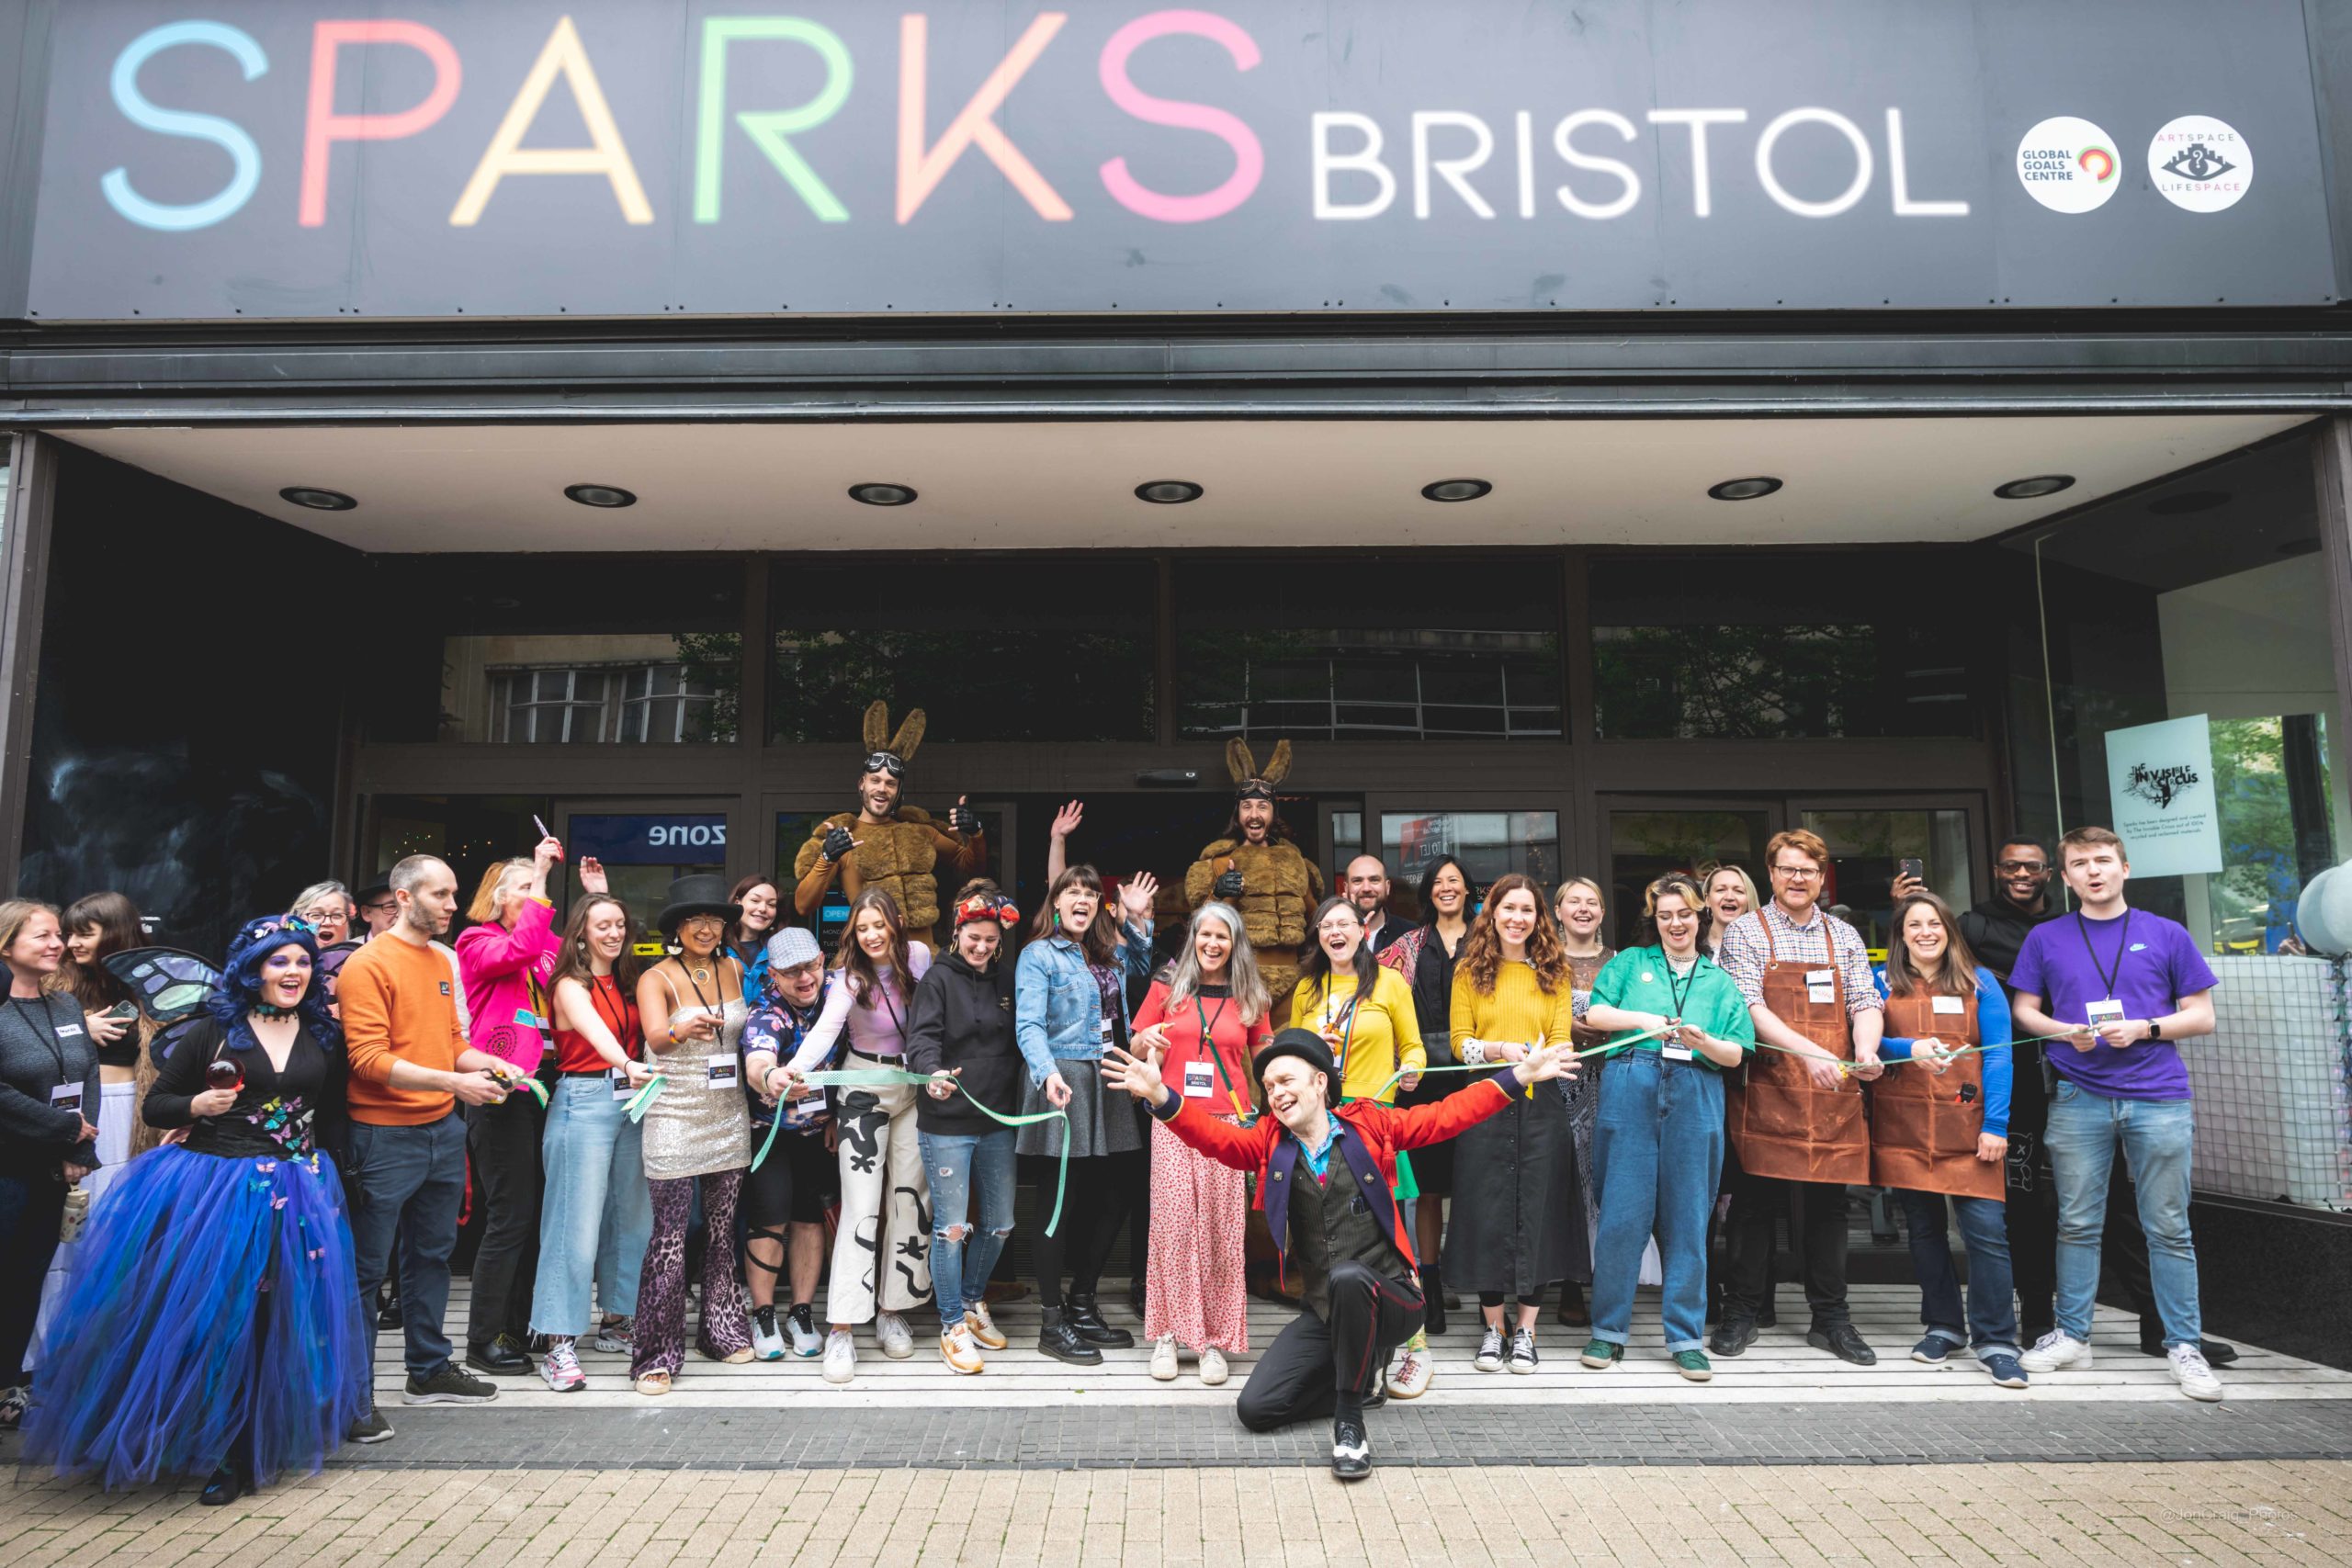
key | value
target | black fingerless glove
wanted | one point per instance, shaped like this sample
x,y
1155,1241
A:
x,y
1227,886
838,843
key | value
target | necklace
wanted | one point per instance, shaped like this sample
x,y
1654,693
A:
x,y
265,1011
701,976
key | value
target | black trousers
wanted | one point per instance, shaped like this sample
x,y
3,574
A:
x,y
1300,1375
31,1205
1101,1187
504,1143
1755,1203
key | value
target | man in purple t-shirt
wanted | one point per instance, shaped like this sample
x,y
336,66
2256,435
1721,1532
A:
x,y
2121,985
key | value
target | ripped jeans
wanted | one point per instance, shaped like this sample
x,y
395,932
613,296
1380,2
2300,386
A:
x,y
966,1170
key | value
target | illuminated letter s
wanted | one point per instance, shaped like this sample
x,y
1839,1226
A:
x,y
228,136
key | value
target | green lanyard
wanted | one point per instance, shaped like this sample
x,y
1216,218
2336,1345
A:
x,y
1209,1044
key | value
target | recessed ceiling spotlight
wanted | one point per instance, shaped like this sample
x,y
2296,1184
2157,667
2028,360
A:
x,y
1168,492
882,495
2190,500
317,499
601,495
1745,490
1455,489
2035,488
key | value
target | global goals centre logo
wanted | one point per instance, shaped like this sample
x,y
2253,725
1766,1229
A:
x,y
2195,162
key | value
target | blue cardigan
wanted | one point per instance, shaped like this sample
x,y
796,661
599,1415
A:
x,y
1058,1008
1991,1027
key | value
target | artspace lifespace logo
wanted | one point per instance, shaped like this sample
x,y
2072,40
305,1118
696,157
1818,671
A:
x,y
2197,162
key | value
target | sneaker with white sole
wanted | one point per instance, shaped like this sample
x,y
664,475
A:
x,y
984,1333
1163,1359
956,1348
615,1338
841,1356
1489,1358
807,1343
560,1368
891,1331
2193,1372
1213,1368
2056,1351
767,1343
1522,1350
1409,1378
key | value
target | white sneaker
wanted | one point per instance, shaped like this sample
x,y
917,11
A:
x,y
841,1356
2057,1351
891,1330
767,1344
1213,1368
560,1368
1409,1378
1163,1359
2189,1370
615,1338
1489,1358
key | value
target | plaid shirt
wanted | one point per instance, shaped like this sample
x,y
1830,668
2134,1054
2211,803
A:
x,y
1826,939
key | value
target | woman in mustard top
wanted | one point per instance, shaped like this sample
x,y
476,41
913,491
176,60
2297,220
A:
x,y
1363,1011
1517,1218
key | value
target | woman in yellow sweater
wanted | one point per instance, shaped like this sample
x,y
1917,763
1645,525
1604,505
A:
x,y
1518,1220
1364,1012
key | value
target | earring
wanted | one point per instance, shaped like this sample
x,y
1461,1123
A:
x,y
583,944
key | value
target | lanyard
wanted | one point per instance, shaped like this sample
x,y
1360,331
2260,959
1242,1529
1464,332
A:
x,y
605,991
46,1029
718,1009
882,994
2122,943
1348,1038
1681,990
1208,1044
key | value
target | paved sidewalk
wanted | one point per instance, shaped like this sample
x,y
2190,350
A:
x,y
2292,1514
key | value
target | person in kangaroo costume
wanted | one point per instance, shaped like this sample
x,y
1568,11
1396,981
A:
x,y
886,844
1257,869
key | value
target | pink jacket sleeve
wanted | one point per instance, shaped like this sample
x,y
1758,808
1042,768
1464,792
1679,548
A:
x,y
497,965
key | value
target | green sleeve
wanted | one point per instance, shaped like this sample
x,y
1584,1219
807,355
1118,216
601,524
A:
x,y
1731,1020
1609,986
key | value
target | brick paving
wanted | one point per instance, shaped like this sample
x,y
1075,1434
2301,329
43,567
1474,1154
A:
x,y
2287,1512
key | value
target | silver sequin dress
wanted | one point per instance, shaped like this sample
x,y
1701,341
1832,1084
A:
x,y
690,1128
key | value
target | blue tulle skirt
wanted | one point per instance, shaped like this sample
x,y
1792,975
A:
x,y
213,1315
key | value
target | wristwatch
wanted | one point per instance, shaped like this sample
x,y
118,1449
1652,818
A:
x,y
2155,1029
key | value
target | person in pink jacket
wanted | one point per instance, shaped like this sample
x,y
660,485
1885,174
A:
x,y
505,961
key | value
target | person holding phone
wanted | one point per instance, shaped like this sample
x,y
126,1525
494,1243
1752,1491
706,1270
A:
x,y
697,1129
2122,985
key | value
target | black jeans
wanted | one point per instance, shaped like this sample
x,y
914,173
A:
x,y
1302,1372
2031,1215
1755,1203
1101,1187
30,1208
503,1141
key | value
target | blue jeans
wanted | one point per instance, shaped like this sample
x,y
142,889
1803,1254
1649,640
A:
x,y
1657,1152
965,1167
412,1181
2157,1135
1992,1319
597,1214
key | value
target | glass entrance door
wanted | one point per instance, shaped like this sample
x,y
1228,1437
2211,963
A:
x,y
644,845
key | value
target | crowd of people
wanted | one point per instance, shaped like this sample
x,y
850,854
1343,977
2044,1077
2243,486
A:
x,y
1490,1103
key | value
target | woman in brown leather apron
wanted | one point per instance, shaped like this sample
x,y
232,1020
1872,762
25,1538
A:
x,y
1938,1132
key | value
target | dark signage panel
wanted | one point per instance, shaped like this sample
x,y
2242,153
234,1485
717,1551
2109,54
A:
x,y
651,157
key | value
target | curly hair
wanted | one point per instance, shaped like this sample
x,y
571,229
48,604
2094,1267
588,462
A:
x,y
1482,950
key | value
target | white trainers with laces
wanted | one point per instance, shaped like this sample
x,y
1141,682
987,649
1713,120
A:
x,y
2055,1351
560,1368
897,1342
1409,1378
2191,1370
841,1356
1163,1359
1213,1368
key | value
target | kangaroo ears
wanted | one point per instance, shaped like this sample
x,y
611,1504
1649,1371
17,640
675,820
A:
x,y
902,745
1278,765
1239,762
877,727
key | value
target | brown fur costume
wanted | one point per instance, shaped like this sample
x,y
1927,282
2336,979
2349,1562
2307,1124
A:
x,y
899,856
1280,886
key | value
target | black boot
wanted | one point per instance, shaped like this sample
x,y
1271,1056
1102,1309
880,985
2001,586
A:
x,y
1086,1318
1432,1300
1056,1339
1571,1312
225,1487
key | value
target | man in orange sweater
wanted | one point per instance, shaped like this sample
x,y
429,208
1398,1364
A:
x,y
406,1173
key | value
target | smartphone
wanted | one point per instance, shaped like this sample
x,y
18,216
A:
x,y
1912,867
127,1012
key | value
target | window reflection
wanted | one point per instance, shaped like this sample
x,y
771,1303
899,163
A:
x,y
1488,844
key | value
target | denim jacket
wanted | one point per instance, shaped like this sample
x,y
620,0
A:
x,y
1056,1007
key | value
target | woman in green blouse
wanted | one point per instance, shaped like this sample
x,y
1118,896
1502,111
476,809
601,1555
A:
x,y
1660,1150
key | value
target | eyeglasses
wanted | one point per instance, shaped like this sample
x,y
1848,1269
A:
x,y
1329,927
2023,868
1798,872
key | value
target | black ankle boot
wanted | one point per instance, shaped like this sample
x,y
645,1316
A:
x,y
1571,1312
1084,1316
1432,1300
225,1487
1056,1339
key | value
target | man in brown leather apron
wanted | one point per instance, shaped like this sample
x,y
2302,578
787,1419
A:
x,y
1797,1123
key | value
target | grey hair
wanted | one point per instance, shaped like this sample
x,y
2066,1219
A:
x,y
1242,978
408,874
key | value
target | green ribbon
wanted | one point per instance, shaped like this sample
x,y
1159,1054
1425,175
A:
x,y
879,1078
1610,1049
1845,1068
645,1096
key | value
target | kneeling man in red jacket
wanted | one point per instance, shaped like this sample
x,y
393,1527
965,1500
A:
x,y
1325,1178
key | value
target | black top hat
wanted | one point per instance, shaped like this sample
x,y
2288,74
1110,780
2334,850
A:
x,y
692,895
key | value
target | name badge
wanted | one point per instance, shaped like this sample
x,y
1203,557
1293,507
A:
x,y
1821,995
66,1096
724,1071
1819,976
2097,1013
809,1107
1200,1080
69,1031
1669,1051
1107,1036
619,1080
1950,1004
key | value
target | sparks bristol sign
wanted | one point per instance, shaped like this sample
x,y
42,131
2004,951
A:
x,y
648,157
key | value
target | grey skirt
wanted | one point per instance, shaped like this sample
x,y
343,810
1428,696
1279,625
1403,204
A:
x,y
1103,1120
